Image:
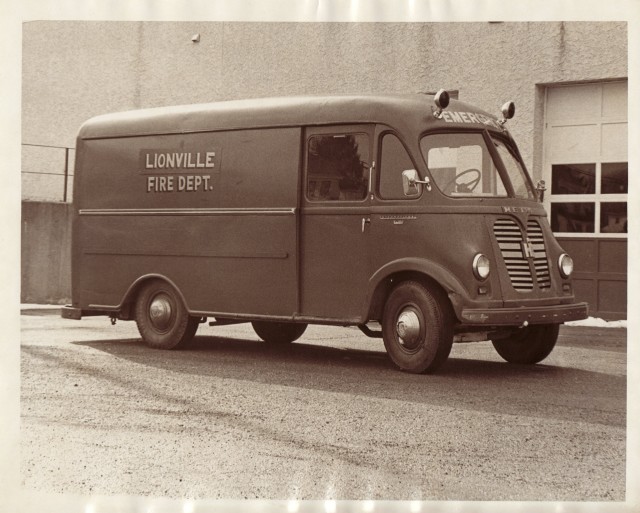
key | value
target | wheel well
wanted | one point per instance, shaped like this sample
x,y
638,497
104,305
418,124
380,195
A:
x,y
127,307
128,304
384,288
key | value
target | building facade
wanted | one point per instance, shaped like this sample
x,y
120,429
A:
x,y
568,80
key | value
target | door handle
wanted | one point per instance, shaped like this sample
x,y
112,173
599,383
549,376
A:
x,y
365,221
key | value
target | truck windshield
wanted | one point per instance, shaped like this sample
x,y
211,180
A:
x,y
461,166
515,170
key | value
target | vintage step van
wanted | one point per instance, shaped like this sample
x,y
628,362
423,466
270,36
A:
x,y
405,210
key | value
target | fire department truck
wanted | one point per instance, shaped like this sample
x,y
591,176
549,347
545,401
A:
x,y
411,217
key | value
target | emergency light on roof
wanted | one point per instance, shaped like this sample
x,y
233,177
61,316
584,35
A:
x,y
441,100
508,111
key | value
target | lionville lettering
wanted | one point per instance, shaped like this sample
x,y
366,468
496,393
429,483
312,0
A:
x,y
180,160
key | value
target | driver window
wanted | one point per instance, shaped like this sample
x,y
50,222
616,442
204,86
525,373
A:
x,y
461,165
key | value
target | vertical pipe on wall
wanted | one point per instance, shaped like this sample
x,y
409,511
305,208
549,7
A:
x,y
66,174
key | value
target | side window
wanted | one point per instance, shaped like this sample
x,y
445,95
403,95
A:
x,y
394,159
338,167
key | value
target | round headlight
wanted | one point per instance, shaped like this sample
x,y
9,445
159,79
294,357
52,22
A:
x,y
481,266
565,264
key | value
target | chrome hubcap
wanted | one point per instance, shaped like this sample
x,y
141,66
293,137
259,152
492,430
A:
x,y
160,312
408,328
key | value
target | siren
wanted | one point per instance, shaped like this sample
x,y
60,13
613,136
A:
x,y
508,111
441,100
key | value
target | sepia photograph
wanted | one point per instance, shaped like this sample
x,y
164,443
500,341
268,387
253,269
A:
x,y
333,259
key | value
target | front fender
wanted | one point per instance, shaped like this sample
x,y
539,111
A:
x,y
418,267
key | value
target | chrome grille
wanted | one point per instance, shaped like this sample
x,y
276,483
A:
x,y
540,261
516,250
509,237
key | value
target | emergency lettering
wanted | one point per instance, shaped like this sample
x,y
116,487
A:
x,y
451,116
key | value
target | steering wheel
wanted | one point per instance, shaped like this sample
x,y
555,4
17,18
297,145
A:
x,y
467,186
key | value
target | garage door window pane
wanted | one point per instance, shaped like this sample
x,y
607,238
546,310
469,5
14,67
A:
x,y
615,178
573,217
613,217
573,179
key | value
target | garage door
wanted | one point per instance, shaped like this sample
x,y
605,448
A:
x,y
586,171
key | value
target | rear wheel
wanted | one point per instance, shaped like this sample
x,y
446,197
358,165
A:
x,y
278,332
416,328
528,345
162,319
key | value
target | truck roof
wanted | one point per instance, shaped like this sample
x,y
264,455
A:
x,y
411,112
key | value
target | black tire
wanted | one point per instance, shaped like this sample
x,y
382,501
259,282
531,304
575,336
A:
x,y
162,319
417,328
279,332
528,345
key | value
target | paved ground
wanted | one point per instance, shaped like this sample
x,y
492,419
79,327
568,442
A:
x,y
326,418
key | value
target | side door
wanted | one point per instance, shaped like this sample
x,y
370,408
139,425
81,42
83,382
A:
x,y
335,218
397,224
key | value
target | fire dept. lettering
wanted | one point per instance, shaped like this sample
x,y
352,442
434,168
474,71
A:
x,y
179,183
178,171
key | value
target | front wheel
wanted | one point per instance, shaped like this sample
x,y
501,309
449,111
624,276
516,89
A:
x,y
279,332
528,345
416,328
162,319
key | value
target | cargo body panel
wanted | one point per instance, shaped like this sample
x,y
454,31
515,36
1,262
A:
x,y
212,231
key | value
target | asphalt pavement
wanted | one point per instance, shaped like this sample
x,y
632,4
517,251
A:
x,y
327,418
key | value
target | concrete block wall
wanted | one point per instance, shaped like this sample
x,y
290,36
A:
x,y
46,253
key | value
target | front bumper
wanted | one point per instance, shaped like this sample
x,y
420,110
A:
x,y
531,314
